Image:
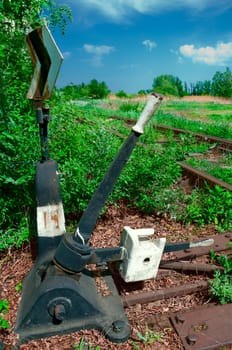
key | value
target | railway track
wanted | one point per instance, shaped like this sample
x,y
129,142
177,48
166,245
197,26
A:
x,y
197,176
205,327
201,177
194,328
222,144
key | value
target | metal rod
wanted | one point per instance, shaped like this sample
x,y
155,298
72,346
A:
x,y
173,247
148,297
89,217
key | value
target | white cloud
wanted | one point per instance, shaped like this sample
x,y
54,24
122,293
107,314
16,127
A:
x,y
221,54
149,44
120,10
66,54
98,52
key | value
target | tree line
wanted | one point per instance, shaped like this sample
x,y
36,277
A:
x,y
166,84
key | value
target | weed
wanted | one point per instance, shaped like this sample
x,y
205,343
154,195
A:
x,y
147,338
4,308
221,285
84,346
19,287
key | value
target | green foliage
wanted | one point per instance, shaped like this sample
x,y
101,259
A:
x,y
211,205
83,345
19,143
221,285
148,338
222,130
121,93
94,90
222,83
84,140
19,287
98,90
200,88
4,308
214,169
167,84
129,106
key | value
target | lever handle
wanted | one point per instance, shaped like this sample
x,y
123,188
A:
x,y
151,106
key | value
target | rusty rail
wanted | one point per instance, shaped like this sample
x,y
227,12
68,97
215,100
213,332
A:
x,y
226,143
165,293
205,327
210,138
205,176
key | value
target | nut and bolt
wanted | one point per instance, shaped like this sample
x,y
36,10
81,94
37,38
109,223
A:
x,y
180,318
191,339
59,312
118,326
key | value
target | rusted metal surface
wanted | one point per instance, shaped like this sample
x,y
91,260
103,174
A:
x,y
186,266
221,242
165,293
47,59
205,176
225,143
204,328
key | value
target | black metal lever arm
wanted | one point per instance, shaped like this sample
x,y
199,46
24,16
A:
x,y
78,244
97,202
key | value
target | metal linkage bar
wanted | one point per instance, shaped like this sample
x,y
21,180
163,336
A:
x,y
73,253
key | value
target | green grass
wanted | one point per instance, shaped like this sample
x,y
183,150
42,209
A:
x,y
84,140
214,169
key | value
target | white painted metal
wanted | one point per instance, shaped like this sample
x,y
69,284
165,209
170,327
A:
x,y
205,243
152,104
143,254
50,220
56,58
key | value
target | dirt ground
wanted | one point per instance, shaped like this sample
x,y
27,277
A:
x,y
152,318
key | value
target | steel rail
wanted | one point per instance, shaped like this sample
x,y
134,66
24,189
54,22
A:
x,y
205,176
204,137
165,293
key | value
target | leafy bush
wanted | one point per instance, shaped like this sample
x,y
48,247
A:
x,y
4,308
121,93
211,205
222,130
95,90
221,285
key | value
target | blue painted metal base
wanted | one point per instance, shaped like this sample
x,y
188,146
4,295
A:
x,y
54,302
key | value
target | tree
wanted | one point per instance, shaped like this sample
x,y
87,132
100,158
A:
x,y
167,84
121,93
222,84
16,18
18,130
98,90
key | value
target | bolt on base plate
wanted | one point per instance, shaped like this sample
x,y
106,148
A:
x,y
64,303
205,328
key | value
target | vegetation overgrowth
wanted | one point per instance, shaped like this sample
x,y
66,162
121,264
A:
x,y
84,139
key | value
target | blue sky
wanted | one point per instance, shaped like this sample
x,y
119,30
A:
x,y
127,43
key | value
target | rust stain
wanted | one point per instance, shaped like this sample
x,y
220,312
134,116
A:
x,y
45,219
55,218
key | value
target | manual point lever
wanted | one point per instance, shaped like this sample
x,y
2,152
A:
x,y
68,253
